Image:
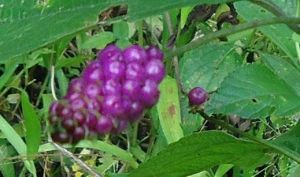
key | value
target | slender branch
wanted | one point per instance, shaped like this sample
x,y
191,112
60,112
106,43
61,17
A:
x,y
250,137
274,9
83,165
235,29
52,81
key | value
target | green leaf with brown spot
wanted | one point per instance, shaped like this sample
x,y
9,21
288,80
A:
x,y
168,109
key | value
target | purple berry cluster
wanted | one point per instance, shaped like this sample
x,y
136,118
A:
x,y
113,91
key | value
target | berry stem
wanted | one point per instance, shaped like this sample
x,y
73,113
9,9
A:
x,y
235,29
274,147
83,165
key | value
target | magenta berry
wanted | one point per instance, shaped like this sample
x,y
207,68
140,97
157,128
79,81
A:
x,y
197,96
155,53
135,53
112,92
155,70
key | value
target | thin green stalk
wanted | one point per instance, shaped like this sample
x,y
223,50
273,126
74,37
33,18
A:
x,y
250,137
273,8
235,29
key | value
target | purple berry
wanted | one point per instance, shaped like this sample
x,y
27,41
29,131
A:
x,y
155,70
55,108
135,71
197,96
93,73
112,87
135,53
60,137
66,112
93,90
104,124
78,134
154,52
94,104
114,70
131,88
136,111
78,104
112,105
110,53
91,121
68,124
79,117
149,93
76,85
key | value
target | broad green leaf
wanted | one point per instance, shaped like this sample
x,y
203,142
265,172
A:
x,y
208,65
284,70
200,152
281,35
144,8
168,109
121,30
253,91
32,125
98,145
98,41
16,141
290,141
25,26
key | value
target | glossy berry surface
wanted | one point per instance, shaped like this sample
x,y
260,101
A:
x,y
113,91
197,96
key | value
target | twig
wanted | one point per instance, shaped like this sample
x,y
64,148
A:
x,y
83,165
235,29
53,82
250,137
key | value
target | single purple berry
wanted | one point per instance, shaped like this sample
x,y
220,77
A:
x,y
94,104
53,119
76,85
93,73
135,53
154,52
79,117
68,124
114,70
112,105
155,70
66,112
112,87
104,124
110,53
60,137
55,108
131,88
78,134
149,93
91,121
93,90
197,96
135,71
136,111
77,104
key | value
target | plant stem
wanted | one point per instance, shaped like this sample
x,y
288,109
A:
x,y
250,137
273,8
235,29
83,165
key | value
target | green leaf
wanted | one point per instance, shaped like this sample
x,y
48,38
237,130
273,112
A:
x,y
184,13
68,62
32,125
98,145
253,91
208,65
284,70
281,35
168,109
25,26
98,41
10,68
121,30
202,151
6,167
290,141
141,9
16,141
